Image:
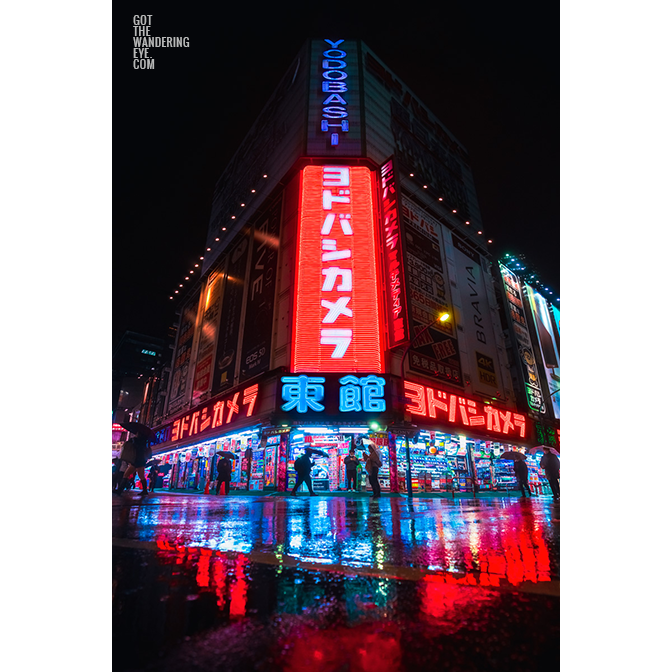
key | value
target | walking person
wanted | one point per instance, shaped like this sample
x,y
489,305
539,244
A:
x,y
224,468
302,466
153,476
137,465
126,457
351,463
551,466
521,472
373,464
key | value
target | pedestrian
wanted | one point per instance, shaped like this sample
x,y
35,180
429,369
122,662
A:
x,y
126,457
137,466
373,464
551,466
521,472
351,463
153,476
224,468
302,466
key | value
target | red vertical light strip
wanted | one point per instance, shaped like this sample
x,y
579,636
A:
x,y
336,309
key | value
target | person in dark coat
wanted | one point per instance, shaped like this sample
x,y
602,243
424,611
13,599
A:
x,y
137,466
224,467
351,462
551,466
153,476
373,464
521,472
303,465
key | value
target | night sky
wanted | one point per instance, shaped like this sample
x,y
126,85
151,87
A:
x,y
489,71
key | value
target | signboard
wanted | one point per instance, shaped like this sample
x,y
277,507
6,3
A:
x,y
550,352
343,398
521,337
334,125
256,350
234,289
336,307
209,323
393,268
436,352
459,412
185,340
223,413
475,316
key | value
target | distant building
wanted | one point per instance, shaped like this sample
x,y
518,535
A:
x,y
135,359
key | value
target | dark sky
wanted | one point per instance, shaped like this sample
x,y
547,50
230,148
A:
x,y
489,71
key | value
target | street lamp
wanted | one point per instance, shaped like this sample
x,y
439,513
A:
x,y
444,317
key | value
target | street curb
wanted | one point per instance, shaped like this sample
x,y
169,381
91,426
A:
x,y
511,494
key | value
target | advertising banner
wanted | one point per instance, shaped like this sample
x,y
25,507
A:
x,y
396,314
436,351
206,344
256,350
183,354
334,121
521,336
475,318
232,307
336,300
550,352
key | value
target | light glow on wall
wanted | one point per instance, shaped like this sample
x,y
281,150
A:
x,y
336,314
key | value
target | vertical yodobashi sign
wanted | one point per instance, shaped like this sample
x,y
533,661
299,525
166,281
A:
x,y
336,314
334,110
522,339
256,351
395,289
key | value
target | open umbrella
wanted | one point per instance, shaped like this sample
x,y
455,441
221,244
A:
x,y
538,449
512,455
138,428
315,451
226,453
164,468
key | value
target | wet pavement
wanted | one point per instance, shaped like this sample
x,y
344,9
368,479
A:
x,y
334,583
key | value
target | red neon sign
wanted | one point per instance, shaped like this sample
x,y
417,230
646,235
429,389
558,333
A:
x,y
397,311
428,401
336,314
215,415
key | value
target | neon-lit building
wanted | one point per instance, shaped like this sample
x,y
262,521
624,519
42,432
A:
x,y
343,227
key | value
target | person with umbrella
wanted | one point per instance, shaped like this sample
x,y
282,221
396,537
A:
x,y
153,475
373,464
303,465
142,452
522,474
224,468
551,465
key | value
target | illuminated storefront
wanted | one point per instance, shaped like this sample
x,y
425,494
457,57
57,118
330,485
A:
x,y
321,268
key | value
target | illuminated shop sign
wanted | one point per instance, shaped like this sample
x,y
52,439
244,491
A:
x,y
333,395
523,340
397,311
237,405
336,316
334,89
453,409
